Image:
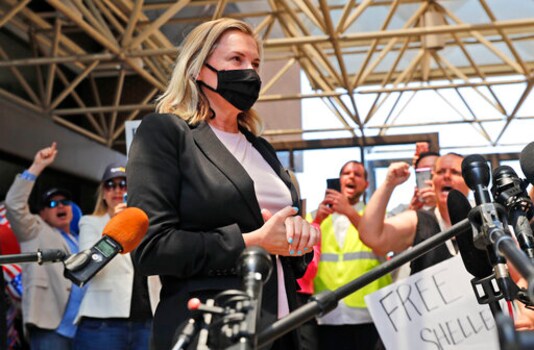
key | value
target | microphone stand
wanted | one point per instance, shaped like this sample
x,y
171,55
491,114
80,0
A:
x,y
489,231
326,301
40,257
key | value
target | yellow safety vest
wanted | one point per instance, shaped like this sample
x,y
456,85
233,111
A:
x,y
338,267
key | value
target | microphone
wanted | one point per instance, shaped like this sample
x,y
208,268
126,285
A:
x,y
510,191
509,338
526,160
255,266
123,233
476,173
40,257
476,261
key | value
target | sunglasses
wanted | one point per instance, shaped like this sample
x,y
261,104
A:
x,y
56,202
111,185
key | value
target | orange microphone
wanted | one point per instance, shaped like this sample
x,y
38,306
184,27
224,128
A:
x,y
122,234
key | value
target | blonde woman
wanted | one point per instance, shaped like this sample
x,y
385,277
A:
x,y
116,311
211,186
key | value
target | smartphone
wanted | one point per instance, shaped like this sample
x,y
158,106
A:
x,y
333,184
421,176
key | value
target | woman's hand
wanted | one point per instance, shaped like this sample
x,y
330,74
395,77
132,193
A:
x,y
118,208
284,233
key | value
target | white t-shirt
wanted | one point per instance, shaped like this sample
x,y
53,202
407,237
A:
x,y
271,192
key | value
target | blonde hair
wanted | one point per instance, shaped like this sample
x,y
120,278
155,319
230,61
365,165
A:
x,y
101,207
183,96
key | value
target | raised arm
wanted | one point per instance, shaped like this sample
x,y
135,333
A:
x,y
26,225
393,234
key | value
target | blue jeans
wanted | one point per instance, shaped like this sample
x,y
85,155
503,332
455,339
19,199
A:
x,y
116,334
45,339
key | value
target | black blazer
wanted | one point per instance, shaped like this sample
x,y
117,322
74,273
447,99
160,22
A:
x,y
199,200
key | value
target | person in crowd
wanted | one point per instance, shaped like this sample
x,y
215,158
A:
x,y
211,187
50,301
422,197
12,337
116,311
344,257
411,227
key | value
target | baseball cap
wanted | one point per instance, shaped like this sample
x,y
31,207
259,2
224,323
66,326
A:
x,y
114,170
54,192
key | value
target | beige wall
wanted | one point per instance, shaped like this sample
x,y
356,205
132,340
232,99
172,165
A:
x,y
281,114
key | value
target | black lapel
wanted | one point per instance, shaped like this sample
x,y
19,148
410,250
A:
x,y
219,155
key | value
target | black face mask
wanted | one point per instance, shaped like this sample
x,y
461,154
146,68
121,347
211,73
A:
x,y
240,87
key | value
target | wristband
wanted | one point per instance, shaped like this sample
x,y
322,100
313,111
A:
x,y
26,175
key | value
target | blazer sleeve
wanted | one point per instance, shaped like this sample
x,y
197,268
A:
x,y
158,157
26,226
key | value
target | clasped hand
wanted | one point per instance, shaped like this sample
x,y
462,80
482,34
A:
x,y
285,233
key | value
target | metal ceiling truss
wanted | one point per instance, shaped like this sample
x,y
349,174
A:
x,y
91,65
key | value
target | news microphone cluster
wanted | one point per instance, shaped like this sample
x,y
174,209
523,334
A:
x,y
490,224
236,313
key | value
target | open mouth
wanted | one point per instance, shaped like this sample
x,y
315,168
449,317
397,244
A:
x,y
61,215
446,189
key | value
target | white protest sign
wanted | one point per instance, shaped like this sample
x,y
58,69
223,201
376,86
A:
x,y
433,309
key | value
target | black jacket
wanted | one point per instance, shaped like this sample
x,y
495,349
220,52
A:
x,y
199,200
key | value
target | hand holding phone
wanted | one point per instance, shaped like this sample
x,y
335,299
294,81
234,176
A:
x,y
422,175
333,184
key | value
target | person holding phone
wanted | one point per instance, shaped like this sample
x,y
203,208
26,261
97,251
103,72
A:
x,y
116,311
424,196
411,227
344,257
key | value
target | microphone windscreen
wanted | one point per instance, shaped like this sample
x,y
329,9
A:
x,y
127,228
475,171
526,160
476,261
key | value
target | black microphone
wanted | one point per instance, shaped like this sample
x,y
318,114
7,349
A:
x,y
476,260
255,266
476,174
510,191
490,218
526,159
122,234
40,257
509,338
